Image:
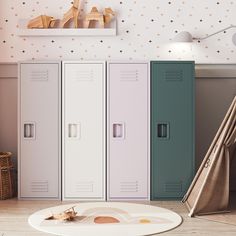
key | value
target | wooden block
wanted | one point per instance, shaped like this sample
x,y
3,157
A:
x,y
72,13
52,24
101,22
76,3
109,15
86,24
41,21
67,16
35,23
75,17
94,15
44,21
94,9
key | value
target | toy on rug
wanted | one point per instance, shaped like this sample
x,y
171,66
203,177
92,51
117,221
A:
x,y
67,215
73,13
41,21
95,15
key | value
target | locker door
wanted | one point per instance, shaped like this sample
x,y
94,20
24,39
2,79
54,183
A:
x,y
84,130
172,128
128,132
39,130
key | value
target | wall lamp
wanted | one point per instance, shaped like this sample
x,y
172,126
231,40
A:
x,y
185,36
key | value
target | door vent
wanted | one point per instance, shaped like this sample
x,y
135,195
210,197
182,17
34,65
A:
x,y
129,75
129,186
39,186
39,75
84,186
174,75
83,75
173,187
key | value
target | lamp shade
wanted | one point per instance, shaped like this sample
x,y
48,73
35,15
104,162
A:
x,y
183,36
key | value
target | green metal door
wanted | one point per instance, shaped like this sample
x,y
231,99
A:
x,y
172,131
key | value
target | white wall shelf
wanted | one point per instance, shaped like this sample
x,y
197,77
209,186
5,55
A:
x,y
23,31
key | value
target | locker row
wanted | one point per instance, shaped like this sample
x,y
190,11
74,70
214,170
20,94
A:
x,y
105,130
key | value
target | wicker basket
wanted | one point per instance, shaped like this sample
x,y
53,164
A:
x,y
6,167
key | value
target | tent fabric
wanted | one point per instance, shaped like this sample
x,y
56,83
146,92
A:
x,y
209,191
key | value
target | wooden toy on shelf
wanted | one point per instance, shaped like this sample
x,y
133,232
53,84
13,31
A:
x,y
109,15
71,20
73,13
95,15
41,21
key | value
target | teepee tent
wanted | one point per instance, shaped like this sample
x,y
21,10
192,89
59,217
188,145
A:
x,y
209,191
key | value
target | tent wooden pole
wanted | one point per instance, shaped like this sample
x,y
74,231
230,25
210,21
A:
x,y
232,134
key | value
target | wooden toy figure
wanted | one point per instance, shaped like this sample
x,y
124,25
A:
x,y
108,16
94,15
73,13
41,21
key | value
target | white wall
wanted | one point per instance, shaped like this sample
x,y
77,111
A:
x,y
8,109
145,28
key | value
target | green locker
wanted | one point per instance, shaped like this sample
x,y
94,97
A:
x,y
172,131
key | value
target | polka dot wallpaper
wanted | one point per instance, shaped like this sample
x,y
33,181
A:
x,y
145,30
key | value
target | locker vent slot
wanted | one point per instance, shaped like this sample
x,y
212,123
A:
x,y
129,187
39,186
83,75
174,75
129,75
84,187
173,187
39,75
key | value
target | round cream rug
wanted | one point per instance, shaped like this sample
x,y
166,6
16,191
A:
x,y
105,219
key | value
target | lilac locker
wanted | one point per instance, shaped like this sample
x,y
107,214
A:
x,y
128,131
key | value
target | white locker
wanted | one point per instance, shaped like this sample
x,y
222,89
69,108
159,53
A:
x,y
128,131
83,130
39,130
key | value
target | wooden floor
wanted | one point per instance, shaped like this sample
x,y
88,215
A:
x,y
14,214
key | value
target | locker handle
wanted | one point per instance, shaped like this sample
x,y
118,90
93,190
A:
x,y
118,130
73,130
163,130
29,130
